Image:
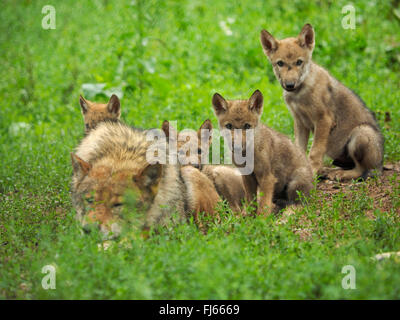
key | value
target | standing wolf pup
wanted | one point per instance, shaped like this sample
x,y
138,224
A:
x,y
280,168
343,128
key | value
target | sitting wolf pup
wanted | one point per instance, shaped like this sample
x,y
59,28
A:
x,y
226,180
202,195
343,128
280,168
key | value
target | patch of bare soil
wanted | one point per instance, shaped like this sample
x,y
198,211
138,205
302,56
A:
x,y
380,189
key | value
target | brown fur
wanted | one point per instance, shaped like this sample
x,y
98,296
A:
x,y
280,168
94,112
194,146
343,128
110,160
202,196
226,180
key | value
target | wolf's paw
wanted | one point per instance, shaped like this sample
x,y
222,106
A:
x,y
338,174
326,173
346,175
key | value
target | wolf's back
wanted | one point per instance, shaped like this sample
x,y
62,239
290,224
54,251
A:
x,y
114,141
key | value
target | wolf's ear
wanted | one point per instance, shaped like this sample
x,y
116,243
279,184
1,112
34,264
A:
x,y
84,104
80,165
268,42
170,131
165,128
219,103
207,125
114,106
150,177
307,36
256,102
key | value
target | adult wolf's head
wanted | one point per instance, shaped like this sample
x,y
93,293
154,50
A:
x,y
192,146
94,112
290,57
99,189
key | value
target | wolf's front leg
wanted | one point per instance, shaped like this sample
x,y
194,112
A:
x,y
320,143
301,135
267,185
250,186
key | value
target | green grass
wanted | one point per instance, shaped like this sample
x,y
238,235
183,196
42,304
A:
x,y
168,58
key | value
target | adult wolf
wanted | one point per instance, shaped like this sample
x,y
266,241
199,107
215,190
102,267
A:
x,y
112,159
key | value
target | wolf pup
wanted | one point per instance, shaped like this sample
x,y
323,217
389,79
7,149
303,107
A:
x,y
343,127
112,159
194,147
202,195
93,112
280,168
226,180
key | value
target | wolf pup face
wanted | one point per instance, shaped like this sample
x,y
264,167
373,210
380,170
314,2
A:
x,y
238,114
93,112
191,145
290,57
100,192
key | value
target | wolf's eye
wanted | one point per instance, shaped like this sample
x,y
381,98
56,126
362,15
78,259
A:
x,y
199,151
228,126
299,62
280,63
116,205
247,126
